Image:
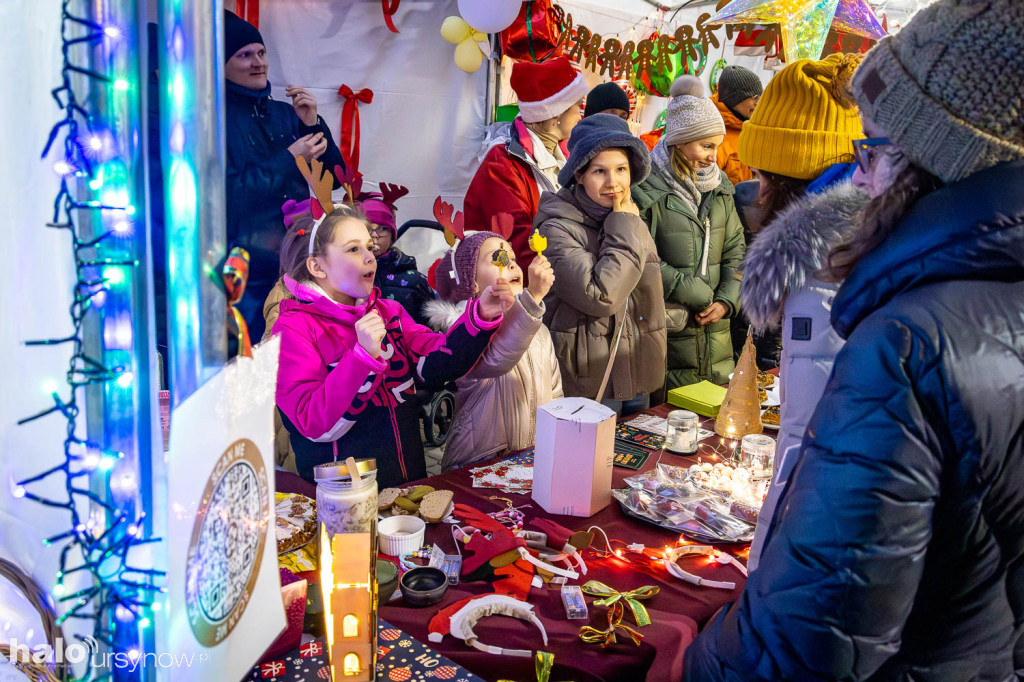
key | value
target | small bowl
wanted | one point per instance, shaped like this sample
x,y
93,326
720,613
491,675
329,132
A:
x,y
387,581
423,585
398,535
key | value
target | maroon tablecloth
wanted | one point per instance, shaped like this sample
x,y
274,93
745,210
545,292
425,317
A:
x,y
676,611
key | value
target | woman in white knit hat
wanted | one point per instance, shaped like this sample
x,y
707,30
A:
x,y
687,202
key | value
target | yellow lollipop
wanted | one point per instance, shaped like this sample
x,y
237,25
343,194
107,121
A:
x,y
500,258
537,242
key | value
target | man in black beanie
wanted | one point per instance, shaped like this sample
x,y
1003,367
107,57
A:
x,y
264,137
737,94
607,98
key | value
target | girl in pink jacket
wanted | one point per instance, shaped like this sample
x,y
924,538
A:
x,y
350,360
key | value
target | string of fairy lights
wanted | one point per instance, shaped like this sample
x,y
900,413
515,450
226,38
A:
x,y
99,491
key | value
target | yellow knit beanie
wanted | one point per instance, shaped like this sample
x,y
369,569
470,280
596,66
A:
x,y
805,121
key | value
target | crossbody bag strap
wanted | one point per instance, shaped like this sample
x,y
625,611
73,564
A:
x,y
615,349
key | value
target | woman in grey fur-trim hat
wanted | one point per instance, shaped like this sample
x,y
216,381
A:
x,y
687,202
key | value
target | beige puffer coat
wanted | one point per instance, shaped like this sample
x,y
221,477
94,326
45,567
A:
x,y
604,273
496,402
284,455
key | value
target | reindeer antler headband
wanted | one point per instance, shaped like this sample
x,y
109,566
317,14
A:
x,y
453,223
321,182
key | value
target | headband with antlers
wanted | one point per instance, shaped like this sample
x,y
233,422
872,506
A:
x,y
321,182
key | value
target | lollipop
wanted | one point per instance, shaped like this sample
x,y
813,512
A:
x,y
500,258
537,242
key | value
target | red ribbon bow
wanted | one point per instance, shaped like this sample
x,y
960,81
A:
x,y
249,10
350,123
389,7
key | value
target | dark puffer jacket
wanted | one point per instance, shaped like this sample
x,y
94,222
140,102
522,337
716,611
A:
x,y
898,550
261,175
398,279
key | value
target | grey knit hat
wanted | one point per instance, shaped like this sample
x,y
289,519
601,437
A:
x,y
736,84
949,88
691,116
598,132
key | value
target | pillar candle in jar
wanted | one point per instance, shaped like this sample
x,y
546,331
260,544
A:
x,y
345,505
757,453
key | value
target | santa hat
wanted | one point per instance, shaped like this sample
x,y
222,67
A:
x,y
547,89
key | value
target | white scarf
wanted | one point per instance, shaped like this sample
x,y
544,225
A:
x,y
689,189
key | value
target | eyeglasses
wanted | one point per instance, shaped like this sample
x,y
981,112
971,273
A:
x,y
862,150
379,229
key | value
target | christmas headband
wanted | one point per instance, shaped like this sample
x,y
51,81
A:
x,y
671,555
459,622
322,183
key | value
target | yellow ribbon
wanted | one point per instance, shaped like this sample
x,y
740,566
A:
x,y
543,661
610,597
605,638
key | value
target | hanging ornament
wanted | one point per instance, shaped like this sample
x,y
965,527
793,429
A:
x,y
657,62
489,16
533,36
805,23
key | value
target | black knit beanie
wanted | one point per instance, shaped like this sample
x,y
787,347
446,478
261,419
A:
x,y
736,84
237,34
604,97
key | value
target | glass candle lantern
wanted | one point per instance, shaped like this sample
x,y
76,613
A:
x,y
681,433
757,453
346,499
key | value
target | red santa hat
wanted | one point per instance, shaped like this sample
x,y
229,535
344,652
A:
x,y
547,89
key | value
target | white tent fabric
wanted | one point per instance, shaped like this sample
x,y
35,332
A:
x,y
426,123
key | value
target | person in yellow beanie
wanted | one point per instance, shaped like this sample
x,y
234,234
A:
x,y
799,139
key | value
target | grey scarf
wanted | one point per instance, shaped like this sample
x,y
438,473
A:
x,y
689,189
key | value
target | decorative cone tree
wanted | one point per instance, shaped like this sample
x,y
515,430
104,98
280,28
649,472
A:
x,y
740,414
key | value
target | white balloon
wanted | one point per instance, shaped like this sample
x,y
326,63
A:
x,y
490,16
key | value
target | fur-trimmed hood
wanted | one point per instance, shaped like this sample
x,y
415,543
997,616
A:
x,y
442,315
786,253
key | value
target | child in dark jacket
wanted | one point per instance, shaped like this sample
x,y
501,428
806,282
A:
x,y
350,360
397,276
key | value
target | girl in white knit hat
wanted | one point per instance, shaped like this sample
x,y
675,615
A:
x,y
687,202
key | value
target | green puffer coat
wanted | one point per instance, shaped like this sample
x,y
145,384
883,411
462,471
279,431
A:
x,y
696,352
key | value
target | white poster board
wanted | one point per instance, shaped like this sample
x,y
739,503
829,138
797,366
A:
x,y
224,593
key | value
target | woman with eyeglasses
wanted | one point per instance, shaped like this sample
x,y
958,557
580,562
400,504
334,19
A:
x,y
897,552
801,139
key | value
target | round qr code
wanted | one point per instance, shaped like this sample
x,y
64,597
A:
x,y
227,542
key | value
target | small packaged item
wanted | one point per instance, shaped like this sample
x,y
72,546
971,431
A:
x,y
450,564
575,604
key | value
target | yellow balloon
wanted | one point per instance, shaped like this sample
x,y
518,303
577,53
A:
x,y
455,30
479,37
468,56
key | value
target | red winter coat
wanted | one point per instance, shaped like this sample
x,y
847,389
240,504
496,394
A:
x,y
508,181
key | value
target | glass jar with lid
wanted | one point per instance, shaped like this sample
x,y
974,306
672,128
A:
x,y
346,504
